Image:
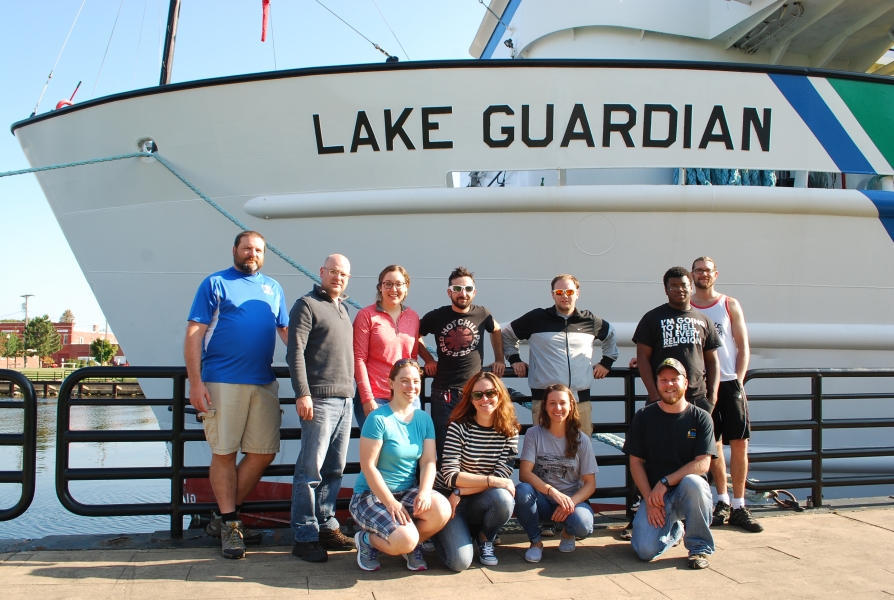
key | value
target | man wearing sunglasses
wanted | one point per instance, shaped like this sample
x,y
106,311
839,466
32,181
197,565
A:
x,y
560,344
458,329
321,364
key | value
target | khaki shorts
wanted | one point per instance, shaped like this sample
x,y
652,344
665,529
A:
x,y
584,408
243,416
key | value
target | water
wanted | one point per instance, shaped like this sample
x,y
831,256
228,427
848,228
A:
x,y
46,516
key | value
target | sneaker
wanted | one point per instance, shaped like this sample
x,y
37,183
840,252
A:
x,y
699,561
742,517
428,546
721,513
249,536
310,551
497,541
367,556
334,539
534,554
566,544
548,530
415,562
486,554
231,542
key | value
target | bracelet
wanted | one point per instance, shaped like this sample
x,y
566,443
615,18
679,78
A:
x,y
488,481
549,488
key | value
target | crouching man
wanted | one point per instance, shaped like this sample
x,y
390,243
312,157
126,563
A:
x,y
670,444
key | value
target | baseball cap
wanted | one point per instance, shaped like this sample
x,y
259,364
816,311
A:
x,y
674,364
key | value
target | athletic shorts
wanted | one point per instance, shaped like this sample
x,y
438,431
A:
x,y
702,403
243,416
731,413
372,516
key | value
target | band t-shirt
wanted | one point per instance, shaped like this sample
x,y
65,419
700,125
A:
x,y
458,338
681,334
547,452
668,441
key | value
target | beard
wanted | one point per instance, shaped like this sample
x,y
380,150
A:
x,y
461,302
702,285
671,398
250,267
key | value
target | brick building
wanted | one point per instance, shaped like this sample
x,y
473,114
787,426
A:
x,y
75,344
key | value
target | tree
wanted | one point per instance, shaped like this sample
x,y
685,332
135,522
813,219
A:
x,y
103,350
67,317
12,346
41,338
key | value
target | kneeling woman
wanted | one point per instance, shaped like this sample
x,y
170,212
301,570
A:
x,y
558,474
479,455
393,510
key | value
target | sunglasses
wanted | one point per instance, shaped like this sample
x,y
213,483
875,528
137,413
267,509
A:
x,y
458,288
491,393
568,293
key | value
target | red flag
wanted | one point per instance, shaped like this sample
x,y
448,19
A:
x,y
265,4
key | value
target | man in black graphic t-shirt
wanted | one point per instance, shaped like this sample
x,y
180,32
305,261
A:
x,y
459,331
676,330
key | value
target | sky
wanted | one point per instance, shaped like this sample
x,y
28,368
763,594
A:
x,y
116,46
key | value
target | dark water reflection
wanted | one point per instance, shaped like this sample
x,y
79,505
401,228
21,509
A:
x,y
46,516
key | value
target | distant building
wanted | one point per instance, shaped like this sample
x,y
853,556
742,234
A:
x,y
75,344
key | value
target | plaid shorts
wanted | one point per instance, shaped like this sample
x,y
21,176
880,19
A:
x,y
372,516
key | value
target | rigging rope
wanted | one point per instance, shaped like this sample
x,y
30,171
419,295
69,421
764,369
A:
x,y
481,2
50,76
136,63
391,30
375,45
93,92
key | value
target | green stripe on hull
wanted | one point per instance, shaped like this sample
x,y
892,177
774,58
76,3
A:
x,y
873,106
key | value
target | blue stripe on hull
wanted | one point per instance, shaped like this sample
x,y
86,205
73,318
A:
x,y
811,107
884,203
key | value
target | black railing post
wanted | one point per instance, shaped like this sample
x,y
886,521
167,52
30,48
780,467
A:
x,y
178,423
629,412
816,435
27,440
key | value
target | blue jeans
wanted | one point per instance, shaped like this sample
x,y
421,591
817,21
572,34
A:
x,y
442,404
319,468
533,508
490,509
689,500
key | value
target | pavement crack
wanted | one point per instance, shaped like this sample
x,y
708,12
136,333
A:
x,y
783,552
863,522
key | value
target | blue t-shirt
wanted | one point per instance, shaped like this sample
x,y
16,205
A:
x,y
242,313
401,448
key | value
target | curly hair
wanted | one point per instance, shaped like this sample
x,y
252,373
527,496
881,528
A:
x,y
572,422
505,422
676,273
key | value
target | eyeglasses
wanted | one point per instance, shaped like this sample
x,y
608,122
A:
x,y
458,288
337,273
678,288
703,271
491,393
393,284
568,293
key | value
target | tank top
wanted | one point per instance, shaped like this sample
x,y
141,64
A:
x,y
719,313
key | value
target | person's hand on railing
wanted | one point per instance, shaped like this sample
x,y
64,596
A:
x,y
498,368
520,369
431,367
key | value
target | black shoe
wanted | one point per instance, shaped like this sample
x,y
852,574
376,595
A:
x,y
699,561
249,536
741,517
310,551
721,513
334,539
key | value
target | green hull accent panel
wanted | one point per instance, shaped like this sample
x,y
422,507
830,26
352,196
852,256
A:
x,y
873,106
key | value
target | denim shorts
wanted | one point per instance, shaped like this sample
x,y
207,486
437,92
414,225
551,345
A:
x,y
372,516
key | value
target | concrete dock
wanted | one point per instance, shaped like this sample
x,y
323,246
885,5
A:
x,y
820,553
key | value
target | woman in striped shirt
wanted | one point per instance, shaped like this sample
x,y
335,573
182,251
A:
x,y
476,466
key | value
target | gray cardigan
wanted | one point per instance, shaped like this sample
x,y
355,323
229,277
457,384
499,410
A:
x,y
321,347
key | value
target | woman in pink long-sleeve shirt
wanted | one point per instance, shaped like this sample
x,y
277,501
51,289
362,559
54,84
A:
x,y
384,333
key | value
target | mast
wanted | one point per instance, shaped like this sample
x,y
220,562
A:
x,y
167,60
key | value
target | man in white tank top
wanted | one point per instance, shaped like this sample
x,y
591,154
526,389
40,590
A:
x,y
731,422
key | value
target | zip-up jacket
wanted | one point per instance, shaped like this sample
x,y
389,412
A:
x,y
561,350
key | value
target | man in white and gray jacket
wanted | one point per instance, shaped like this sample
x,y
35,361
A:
x,y
560,342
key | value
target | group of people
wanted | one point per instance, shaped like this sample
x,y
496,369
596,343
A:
x,y
443,481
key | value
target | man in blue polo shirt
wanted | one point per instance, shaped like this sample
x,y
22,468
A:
x,y
230,340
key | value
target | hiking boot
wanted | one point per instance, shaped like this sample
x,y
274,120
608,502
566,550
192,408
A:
x,y
742,517
699,561
415,561
310,551
721,513
486,554
231,542
334,539
367,556
548,530
249,536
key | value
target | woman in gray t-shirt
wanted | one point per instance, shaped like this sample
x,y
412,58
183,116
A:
x,y
558,474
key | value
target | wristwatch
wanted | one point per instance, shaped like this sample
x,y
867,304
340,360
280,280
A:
x,y
666,483
456,492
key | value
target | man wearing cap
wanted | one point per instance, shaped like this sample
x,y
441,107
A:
x,y
670,445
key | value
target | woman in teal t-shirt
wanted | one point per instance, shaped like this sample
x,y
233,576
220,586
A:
x,y
394,511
